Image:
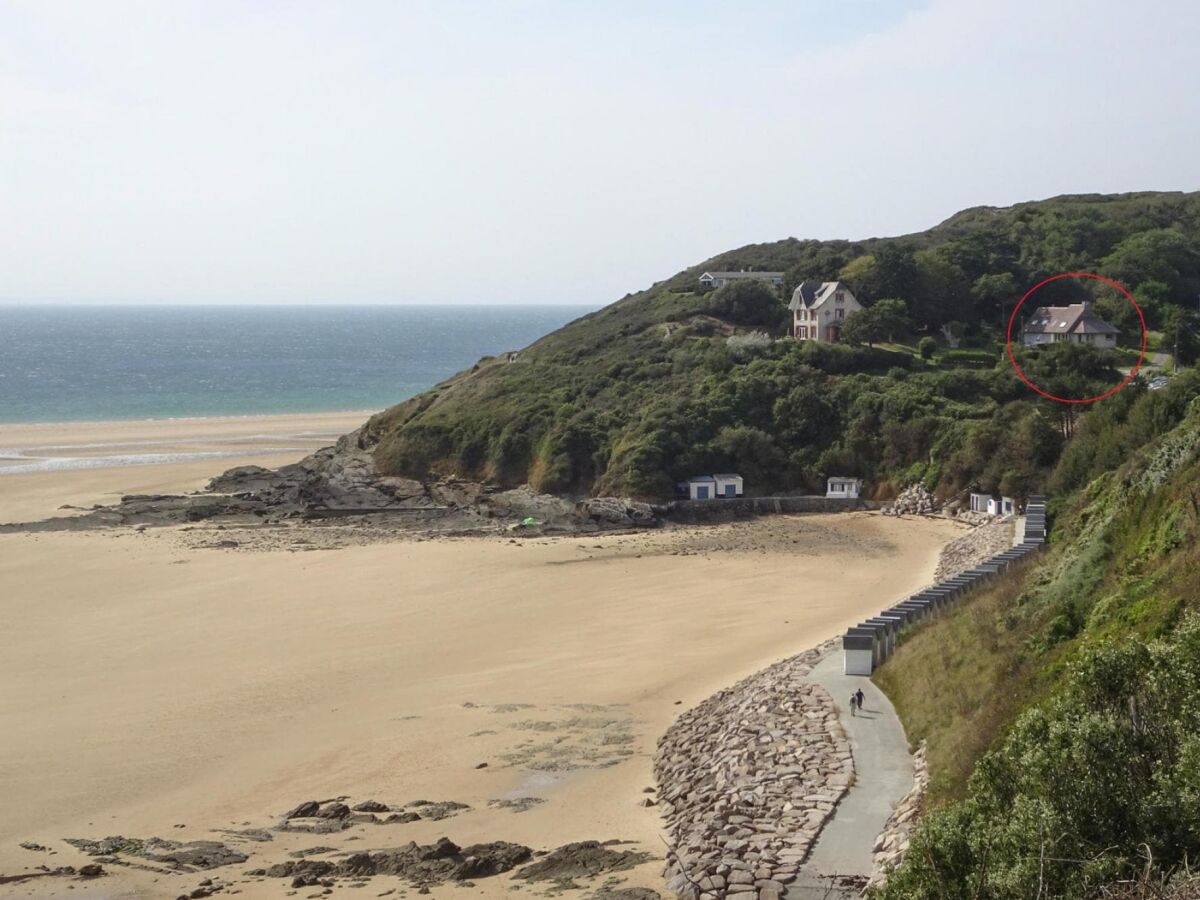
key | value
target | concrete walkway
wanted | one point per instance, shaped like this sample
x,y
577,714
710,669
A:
x,y
883,774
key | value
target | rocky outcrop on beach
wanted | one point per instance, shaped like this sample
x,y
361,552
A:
x,y
185,857
748,778
421,864
892,843
341,484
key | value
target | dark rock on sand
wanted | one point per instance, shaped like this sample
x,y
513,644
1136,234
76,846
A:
x,y
187,856
634,893
401,818
582,859
305,810
371,806
421,864
334,811
91,870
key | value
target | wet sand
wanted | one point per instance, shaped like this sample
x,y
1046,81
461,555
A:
x,y
148,684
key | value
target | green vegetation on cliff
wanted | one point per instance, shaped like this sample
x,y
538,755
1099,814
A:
x,y
1062,708
670,382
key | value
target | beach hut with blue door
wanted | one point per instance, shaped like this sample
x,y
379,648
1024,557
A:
x,y
701,487
728,485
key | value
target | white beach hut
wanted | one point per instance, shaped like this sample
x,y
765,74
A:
x,y
728,485
839,487
701,487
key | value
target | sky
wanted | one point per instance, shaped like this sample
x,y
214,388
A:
x,y
530,151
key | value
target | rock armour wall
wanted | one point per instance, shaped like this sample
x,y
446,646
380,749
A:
x,y
748,778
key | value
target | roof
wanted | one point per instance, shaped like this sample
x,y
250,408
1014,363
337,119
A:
x,y
695,479
843,478
1078,318
743,274
726,476
810,294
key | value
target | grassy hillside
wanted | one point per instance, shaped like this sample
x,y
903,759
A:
x,y
669,382
1062,707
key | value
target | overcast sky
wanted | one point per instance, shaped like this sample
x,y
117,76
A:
x,y
283,151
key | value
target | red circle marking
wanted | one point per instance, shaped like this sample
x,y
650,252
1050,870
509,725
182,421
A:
x,y
1013,318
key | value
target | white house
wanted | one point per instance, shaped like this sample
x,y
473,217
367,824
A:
x,y
820,309
720,279
839,487
1077,322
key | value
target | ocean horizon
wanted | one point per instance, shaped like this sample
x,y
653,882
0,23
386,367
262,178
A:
x,y
90,363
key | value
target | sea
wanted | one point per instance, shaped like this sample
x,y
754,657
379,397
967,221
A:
x,y
97,363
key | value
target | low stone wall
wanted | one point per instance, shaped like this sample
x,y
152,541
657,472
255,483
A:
x,y
748,507
748,778
892,843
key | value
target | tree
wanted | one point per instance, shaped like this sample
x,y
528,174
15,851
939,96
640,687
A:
x,y
749,302
941,290
1162,254
885,319
997,293
862,274
1181,335
927,346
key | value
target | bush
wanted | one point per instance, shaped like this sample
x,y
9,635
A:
x,y
927,346
744,346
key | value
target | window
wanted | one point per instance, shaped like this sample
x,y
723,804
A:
x,y
841,314
839,297
802,332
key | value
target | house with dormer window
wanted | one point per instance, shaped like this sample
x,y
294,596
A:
x,y
819,309
1077,322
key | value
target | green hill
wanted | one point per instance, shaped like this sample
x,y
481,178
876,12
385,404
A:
x,y
670,381
1062,708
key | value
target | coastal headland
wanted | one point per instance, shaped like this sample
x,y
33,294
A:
x,y
161,685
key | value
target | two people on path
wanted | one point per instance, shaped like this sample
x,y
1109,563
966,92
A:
x,y
856,701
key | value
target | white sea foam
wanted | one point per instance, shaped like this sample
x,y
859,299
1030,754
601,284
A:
x,y
20,463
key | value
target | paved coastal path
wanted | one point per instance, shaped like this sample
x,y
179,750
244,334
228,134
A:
x,y
883,773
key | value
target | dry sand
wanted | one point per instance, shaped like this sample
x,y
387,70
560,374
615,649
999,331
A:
x,y
146,685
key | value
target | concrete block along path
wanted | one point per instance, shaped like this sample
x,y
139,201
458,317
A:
x,y
883,773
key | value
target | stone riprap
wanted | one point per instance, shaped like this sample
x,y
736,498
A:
x,y
869,643
975,546
914,500
892,843
748,778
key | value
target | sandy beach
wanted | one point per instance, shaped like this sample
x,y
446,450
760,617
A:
x,y
152,688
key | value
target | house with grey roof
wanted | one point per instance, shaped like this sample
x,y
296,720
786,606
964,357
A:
x,y
1077,322
719,279
820,308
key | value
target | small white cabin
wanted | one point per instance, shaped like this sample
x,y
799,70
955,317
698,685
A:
x,y
728,485
840,487
993,506
701,487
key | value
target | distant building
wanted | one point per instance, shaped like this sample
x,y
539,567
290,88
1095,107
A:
x,y
839,487
819,310
993,505
720,279
728,485
1077,322
699,487
712,487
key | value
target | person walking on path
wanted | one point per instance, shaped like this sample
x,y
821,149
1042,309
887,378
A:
x,y
858,695
853,703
